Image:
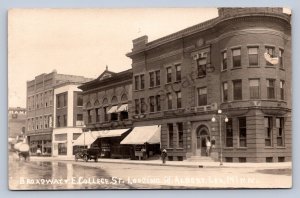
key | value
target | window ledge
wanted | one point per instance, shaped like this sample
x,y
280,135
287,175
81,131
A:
x,y
253,66
242,148
225,70
228,148
283,69
235,68
269,147
201,76
271,67
154,87
177,81
281,147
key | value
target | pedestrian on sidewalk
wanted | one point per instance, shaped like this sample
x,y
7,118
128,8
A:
x,y
164,155
208,145
213,142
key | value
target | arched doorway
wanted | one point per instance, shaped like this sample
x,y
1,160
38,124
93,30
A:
x,y
202,134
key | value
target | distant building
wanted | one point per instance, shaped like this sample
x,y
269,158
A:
x,y
16,121
40,108
16,125
240,63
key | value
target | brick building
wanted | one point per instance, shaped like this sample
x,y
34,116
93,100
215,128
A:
x,y
40,109
239,62
106,116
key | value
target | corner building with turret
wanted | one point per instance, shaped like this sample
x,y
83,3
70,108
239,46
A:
x,y
238,62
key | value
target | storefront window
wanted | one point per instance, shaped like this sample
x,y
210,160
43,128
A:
x,y
62,148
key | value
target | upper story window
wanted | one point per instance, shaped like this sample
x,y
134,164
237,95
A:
x,y
178,97
169,100
79,99
142,81
224,60
58,102
178,72
65,99
270,88
281,87
61,100
225,91
281,58
202,96
237,90
151,75
58,121
201,67
89,112
158,106
157,76
236,58
137,106
65,120
152,103
143,105
253,56
169,74
136,83
271,52
254,88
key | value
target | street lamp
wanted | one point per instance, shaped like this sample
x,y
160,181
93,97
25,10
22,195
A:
x,y
213,119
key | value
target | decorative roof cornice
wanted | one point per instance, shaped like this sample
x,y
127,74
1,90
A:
x,y
206,26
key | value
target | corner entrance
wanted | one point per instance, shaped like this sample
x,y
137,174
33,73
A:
x,y
202,136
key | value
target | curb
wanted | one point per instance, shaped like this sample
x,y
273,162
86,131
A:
x,y
169,165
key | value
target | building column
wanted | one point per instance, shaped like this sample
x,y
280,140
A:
x,y
69,144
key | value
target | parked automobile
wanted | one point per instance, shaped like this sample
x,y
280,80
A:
x,y
88,154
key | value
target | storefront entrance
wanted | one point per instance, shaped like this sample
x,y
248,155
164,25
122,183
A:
x,y
202,136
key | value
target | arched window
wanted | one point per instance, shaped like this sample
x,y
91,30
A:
x,y
88,105
105,101
96,103
114,100
124,98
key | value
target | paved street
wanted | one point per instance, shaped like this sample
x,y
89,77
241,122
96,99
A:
x,y
90,175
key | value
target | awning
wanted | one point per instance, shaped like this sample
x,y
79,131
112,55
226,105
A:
x,y
87,138
111,133
144,134
113,109
40,137
123,107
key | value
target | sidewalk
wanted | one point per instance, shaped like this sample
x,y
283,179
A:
x,y
174,163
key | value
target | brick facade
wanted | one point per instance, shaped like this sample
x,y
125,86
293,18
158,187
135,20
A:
x,y
235,31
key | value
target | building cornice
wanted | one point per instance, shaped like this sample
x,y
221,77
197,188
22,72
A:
x,y
207,25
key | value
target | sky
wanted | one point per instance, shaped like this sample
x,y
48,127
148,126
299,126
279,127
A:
x,y
83,41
